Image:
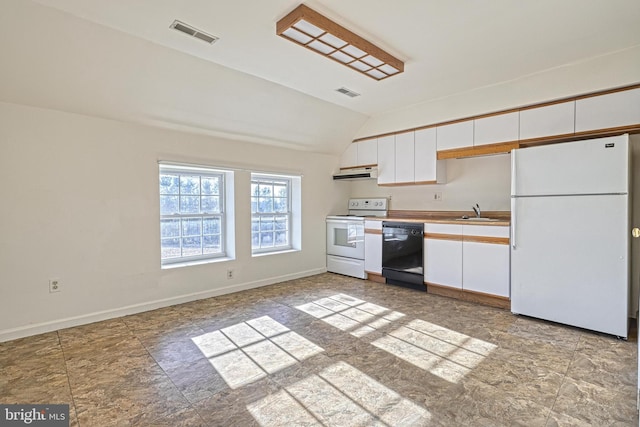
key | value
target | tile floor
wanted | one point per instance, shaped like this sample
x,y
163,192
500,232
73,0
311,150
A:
x,y
326,350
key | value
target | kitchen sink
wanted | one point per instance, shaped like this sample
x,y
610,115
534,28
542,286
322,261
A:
x,y
477,219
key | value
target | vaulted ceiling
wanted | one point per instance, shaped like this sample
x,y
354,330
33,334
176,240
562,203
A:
x,y
119,59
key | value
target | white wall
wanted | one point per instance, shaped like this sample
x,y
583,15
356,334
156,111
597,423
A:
x,y
617,69
482,180
80,203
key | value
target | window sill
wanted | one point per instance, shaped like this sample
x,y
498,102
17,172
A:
x,y
283,251
196,262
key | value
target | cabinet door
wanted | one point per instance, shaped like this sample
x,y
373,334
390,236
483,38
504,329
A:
x,y
496,129
373,253
556,119
405,157
368,152
427,168
387,160
456,135
608,111
443,255
486,268
349,158
373,246
486,259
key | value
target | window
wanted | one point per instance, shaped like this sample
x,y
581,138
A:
x,y
270,213
191,213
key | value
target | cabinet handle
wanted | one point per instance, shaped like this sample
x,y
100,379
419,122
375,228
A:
x,y
513,199
513,222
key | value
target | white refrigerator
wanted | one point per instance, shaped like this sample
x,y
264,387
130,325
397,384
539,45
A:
x,y
570,233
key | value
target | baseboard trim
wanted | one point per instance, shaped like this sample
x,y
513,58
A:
x,y
375,277
69,322
471,296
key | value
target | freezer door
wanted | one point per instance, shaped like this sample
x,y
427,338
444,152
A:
x,y
569,261
596,166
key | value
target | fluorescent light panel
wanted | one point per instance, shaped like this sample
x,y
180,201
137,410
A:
x,y
308,28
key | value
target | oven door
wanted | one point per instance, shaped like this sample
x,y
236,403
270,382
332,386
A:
x,y
345,237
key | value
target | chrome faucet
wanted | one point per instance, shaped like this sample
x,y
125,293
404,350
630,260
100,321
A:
x,y
476,209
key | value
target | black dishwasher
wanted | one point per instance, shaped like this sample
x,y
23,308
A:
x,y
402,259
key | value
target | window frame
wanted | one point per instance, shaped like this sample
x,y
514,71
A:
x,y
201,171
266,178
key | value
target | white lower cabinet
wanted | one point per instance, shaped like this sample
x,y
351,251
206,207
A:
x,y
373,247
486,268
443,255
485,255
468,257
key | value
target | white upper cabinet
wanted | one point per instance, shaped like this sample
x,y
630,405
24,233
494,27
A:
x,y
456,135
363,153
349,158
496,129
368,152
556,119
608,111
387,160
426,166
405,156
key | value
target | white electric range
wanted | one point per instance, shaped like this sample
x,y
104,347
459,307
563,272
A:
x,y
345,236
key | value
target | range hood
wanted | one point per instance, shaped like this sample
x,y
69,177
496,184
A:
x,y
353,174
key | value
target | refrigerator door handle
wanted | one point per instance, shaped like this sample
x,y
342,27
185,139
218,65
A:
x,y
514,175
513,223
514,172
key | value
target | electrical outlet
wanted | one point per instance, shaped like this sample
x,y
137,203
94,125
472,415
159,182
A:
x,y
229,274
437,196
54,285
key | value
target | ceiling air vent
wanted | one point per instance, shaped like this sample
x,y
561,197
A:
x,y
345,91
193,32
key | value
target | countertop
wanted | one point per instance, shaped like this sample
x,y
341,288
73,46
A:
x,y
446,217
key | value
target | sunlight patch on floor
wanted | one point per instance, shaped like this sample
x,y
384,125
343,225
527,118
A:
x,y
350,314
339,395
248,351
447,354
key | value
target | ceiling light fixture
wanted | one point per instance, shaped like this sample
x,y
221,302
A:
x,y
308,28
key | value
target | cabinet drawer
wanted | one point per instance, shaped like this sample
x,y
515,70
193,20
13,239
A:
x,y
372,225
485,230
453,229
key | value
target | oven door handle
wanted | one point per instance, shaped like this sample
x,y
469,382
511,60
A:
x,y
345,221
338,221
